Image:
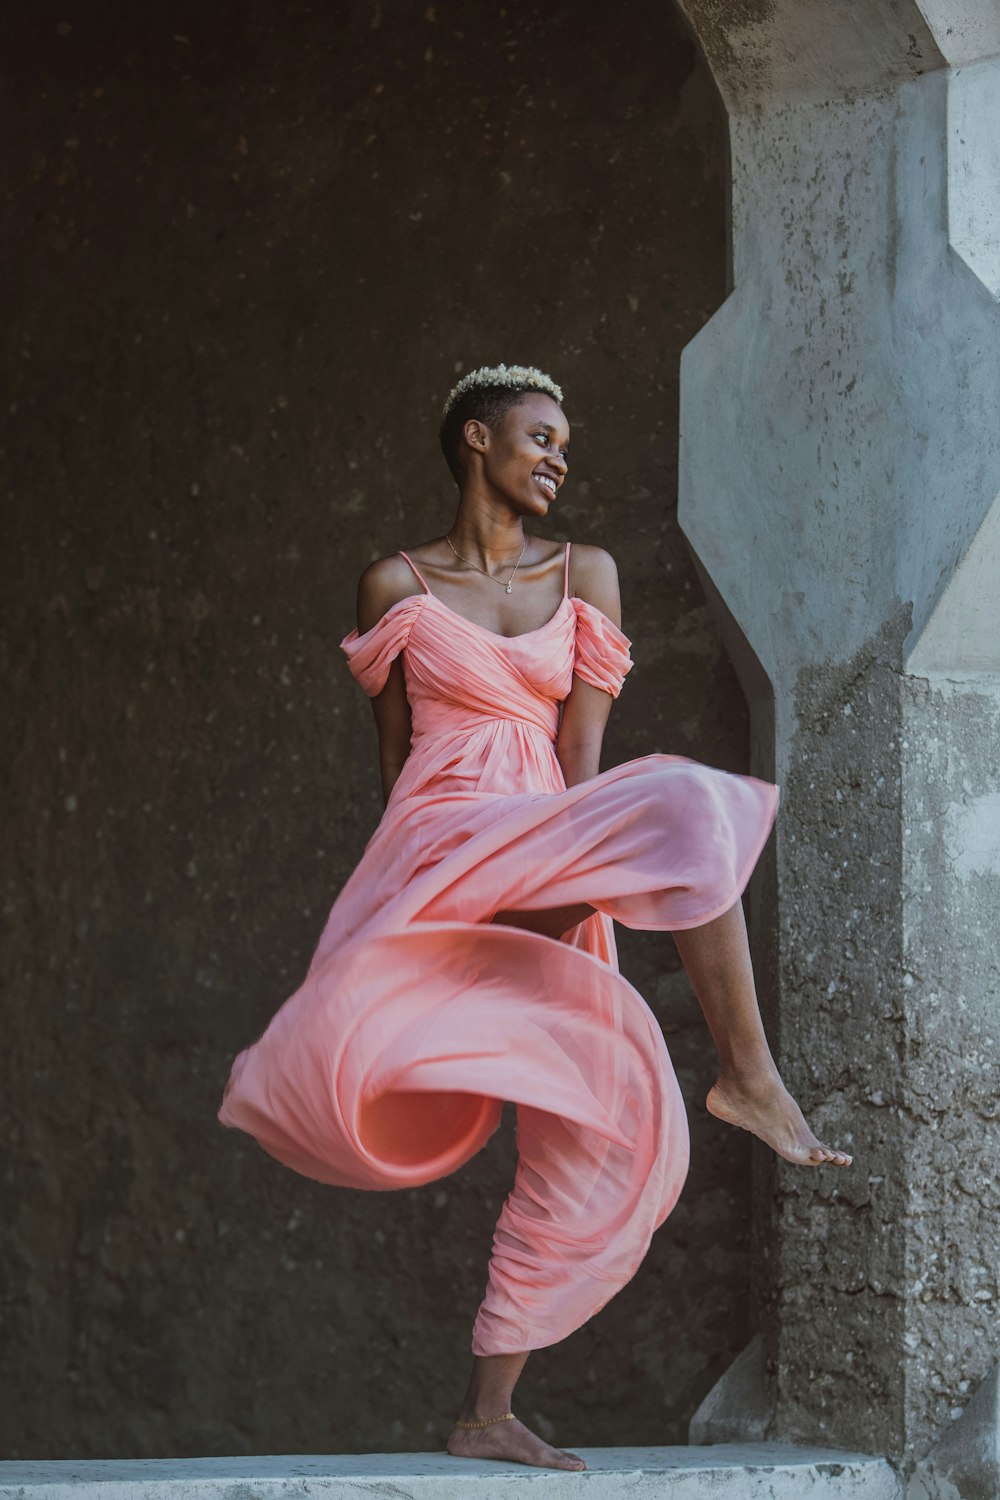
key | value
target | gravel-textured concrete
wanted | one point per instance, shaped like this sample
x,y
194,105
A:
x,y
751,1472
841,459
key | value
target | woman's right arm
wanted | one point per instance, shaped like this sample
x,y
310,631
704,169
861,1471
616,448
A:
x,y
382,585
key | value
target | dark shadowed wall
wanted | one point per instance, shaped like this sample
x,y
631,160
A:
x,y
248,248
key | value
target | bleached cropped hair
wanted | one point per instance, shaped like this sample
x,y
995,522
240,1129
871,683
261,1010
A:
x,y
486,395
519,378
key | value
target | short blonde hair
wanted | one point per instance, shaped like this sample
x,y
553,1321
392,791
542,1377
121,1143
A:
x,y
519,378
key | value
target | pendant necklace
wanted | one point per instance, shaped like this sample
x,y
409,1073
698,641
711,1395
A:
x,y
500,581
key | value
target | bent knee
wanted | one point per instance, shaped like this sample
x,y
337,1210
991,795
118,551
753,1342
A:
x,y
549,921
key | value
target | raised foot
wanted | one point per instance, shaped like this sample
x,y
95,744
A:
x,y
769,1112
512,1443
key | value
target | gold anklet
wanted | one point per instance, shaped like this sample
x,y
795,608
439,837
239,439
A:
x,y
489,1421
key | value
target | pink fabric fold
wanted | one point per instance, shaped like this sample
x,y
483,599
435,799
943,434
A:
x,y
370,656
601,652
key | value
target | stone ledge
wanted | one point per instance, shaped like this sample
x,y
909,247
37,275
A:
x,y
751,1471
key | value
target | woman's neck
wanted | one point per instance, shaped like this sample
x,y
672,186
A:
x,y
489,533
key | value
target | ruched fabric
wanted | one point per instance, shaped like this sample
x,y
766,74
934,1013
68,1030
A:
x,y
419,1016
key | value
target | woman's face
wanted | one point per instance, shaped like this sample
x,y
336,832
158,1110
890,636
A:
x,y
526,456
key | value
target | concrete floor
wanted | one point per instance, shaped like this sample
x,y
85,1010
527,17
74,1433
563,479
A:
x,y
760,1471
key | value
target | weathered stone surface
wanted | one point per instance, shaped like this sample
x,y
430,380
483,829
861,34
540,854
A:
x,y
964,1463
247,249
763,1471
843,516
948,1001
740,1407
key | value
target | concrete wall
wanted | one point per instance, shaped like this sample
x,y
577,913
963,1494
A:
x,y
247,249
841,463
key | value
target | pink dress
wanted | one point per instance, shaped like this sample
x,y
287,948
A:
x,y
417,1018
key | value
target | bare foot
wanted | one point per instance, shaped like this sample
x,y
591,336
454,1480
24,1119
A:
x,y
511,1442
768,1110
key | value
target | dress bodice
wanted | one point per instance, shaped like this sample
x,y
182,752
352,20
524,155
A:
x,y
479,692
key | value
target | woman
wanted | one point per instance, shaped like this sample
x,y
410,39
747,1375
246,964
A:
x,y
470,958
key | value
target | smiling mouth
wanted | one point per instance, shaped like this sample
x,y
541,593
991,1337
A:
x,y
547,484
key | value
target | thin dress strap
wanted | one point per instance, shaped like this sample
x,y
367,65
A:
x,y
566,573
416,570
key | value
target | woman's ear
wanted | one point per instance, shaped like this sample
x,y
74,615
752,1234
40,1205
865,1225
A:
x,y
476,434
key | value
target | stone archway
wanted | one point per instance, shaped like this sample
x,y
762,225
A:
x,y
840,468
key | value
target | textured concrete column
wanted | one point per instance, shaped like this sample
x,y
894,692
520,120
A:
x,y
840,468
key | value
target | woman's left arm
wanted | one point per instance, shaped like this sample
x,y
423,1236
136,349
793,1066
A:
x,y
586,709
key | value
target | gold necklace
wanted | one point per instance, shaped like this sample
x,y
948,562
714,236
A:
x,y
500,581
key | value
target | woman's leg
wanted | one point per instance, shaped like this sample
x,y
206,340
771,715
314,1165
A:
x,y
749,1091
551,921
491,1387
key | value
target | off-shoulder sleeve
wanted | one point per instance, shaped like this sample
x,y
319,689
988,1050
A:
x,y
370,656
601,653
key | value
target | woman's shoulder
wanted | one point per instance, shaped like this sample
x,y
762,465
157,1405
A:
x,y
384,583
593,577
592,562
